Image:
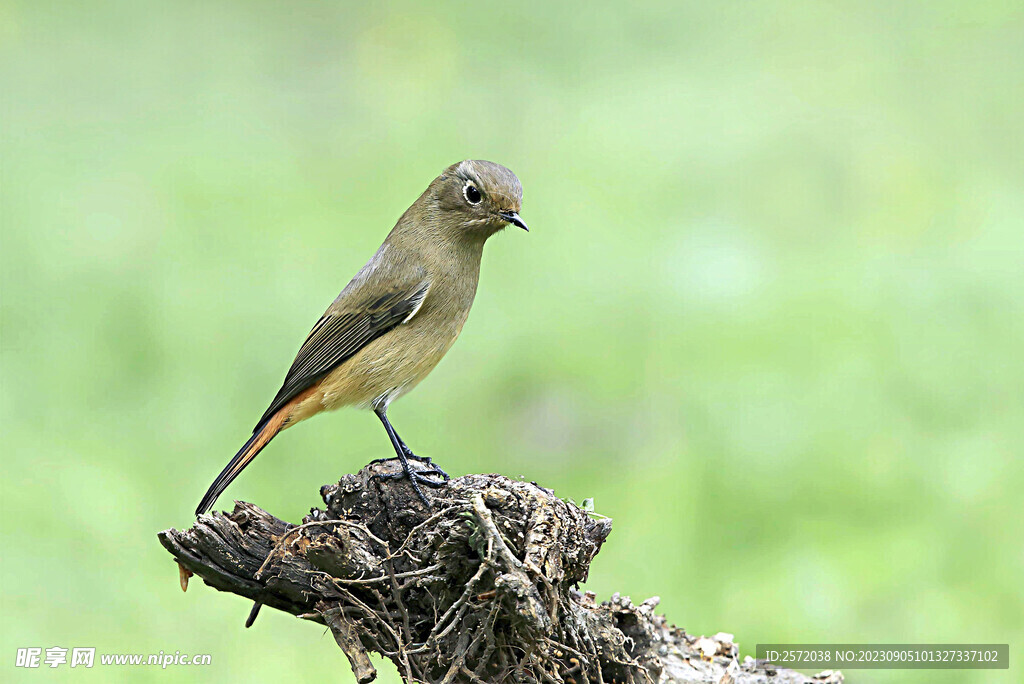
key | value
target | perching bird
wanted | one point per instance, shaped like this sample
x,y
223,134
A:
x,y
398,316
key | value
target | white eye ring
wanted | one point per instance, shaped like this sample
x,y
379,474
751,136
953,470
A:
x,y
477,194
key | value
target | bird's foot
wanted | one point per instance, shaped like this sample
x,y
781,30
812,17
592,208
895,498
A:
x,y
434,468
415,477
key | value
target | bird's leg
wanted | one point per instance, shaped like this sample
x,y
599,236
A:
x,y
416,477
435,469
406,450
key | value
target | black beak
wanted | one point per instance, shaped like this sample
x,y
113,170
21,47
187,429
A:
x,y
513,218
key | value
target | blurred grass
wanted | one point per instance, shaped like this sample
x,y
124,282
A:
x,y
769,314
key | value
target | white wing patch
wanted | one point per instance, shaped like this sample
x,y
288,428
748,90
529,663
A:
x,y
417,302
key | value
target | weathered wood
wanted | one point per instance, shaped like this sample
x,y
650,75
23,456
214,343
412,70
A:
x,y
479,587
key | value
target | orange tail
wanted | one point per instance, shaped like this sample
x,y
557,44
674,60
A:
x,y
260,438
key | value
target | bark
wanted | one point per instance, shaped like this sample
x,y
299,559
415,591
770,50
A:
x,y
481,586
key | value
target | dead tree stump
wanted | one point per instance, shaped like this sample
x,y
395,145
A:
x,y
479,587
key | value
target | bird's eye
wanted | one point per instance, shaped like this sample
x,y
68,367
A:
x,y
473,195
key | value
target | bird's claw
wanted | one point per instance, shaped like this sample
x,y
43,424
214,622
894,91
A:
x,y
435,469
416,477
426,459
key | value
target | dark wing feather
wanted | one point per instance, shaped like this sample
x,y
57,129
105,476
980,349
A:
x,y
340,333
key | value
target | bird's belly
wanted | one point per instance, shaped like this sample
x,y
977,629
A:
x,y
383,370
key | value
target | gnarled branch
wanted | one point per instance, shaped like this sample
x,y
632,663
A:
x,y
479,587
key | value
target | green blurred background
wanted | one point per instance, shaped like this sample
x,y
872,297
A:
x,y
769,315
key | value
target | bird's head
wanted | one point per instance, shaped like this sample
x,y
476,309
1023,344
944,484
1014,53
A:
x,y
482,197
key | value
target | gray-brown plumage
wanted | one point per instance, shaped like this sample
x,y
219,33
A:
x,y
398,316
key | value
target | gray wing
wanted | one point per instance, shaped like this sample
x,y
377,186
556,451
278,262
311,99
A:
x,y
355,319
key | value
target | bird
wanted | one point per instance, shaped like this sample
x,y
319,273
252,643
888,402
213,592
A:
x,y
397,317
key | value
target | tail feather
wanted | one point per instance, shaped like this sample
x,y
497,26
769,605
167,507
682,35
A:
x,y
260,438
